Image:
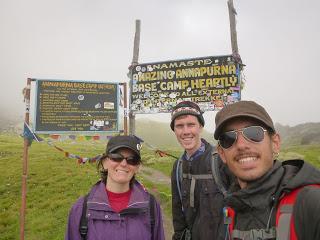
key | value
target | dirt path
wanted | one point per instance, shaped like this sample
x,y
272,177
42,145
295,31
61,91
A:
x,y
155,176
158,177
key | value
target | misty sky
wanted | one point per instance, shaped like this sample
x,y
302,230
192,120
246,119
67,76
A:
x,y
93,40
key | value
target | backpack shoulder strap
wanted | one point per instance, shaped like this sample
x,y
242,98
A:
x,y
83,227
216,173
284,220
152,203
193,177
179,179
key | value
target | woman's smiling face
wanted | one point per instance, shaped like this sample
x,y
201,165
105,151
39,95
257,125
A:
x,y
120,173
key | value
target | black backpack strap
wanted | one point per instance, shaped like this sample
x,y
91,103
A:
x,y
194,178
83,227
216,173
152,203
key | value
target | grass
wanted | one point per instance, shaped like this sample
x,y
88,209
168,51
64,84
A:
x,y
163,164
161,192
55,182
311,153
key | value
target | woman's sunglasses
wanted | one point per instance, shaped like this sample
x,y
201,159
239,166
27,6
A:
x,y
117,157
252,134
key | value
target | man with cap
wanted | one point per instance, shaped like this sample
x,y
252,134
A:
x,y
196,200
270,199
118,207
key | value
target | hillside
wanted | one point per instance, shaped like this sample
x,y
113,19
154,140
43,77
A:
x,y
304,134
159,133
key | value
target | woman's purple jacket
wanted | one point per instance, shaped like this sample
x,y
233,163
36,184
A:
x,y
132,223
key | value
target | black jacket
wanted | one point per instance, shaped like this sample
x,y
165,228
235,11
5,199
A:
x,y
253,205
205,218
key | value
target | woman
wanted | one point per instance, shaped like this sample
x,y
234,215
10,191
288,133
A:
x,y
118,207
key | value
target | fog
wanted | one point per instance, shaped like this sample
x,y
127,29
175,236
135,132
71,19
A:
x,y
93,41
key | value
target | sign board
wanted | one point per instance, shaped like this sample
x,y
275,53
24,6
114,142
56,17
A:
x,y
63,106
212,82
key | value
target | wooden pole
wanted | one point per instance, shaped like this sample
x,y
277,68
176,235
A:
x,y
125,105
233,32
25,162
132,127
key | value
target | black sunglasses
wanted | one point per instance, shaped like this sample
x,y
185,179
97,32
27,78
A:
x,y
117,157
252,134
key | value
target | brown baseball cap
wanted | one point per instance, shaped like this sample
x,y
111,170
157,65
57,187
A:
x,y
242,109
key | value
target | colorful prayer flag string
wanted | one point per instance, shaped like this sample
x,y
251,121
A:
x,y
30,135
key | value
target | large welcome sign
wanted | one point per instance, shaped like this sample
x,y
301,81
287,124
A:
x,y
63,106
212,82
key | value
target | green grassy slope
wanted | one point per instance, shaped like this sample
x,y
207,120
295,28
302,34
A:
x,y
55,182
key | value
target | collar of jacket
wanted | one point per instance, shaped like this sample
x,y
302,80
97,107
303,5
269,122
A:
x,y
258,194
98,198
302,173
201,150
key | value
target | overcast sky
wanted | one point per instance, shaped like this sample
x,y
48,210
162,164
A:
x,y
93,40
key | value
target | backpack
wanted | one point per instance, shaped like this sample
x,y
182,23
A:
x,y
284,230
215,174
83,227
